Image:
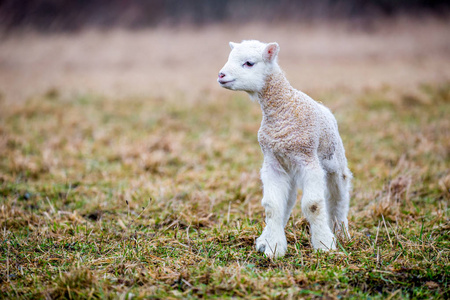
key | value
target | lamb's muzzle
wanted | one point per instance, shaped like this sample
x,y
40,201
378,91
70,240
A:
x,y
302,148
224,80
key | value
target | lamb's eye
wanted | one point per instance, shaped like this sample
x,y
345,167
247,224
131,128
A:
x,y
249,64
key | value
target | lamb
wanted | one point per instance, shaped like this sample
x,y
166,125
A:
x,y
302,149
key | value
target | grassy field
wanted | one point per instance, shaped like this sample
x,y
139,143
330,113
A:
x,y
159,197
103,197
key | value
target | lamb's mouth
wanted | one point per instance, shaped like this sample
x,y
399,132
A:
x,y
224,82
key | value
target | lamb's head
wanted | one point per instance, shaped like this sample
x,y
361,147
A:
x,y
248,65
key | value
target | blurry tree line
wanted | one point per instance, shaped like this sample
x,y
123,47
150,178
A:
x,y
49,15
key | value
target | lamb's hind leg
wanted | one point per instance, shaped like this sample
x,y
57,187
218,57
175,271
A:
x,y
276,186
315,209
292,198
338,199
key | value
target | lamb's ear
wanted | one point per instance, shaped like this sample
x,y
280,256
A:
x,y
271,52
232,45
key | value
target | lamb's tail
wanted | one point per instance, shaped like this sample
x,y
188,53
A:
x,y
347,176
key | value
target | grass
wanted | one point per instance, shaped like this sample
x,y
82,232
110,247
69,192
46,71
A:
x,y
160,198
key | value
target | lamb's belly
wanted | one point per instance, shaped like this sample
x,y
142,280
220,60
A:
x,y
288,152
285,142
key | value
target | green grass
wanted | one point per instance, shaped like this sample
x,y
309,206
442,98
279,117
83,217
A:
x,y
160,198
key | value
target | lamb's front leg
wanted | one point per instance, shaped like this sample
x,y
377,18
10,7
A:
x,y
315,209
276,186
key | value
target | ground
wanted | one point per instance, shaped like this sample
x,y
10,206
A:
x,y
154,192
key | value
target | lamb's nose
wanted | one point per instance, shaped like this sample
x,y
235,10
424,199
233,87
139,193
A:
x,y
221,75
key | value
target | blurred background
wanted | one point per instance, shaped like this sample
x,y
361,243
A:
x,y
51,15
164,48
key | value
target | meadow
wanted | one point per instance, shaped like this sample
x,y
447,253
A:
x,y
135,176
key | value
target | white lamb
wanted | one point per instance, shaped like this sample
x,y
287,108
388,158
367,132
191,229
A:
x,y
302,148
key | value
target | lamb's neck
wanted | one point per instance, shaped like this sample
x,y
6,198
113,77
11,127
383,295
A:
x,y
276,93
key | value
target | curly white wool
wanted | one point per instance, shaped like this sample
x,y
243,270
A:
x,y
302,148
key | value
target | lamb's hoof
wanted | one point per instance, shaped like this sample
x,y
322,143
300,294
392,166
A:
x,y
261,247
326,243
273,246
